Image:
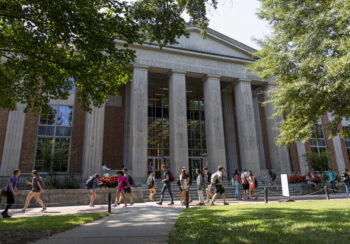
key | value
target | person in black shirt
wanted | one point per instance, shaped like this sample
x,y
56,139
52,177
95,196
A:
x,y
166,185
346,180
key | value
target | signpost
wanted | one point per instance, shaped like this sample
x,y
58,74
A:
x,y
285,189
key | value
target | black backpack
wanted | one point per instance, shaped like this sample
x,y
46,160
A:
x,y
89,183
209,177
131,180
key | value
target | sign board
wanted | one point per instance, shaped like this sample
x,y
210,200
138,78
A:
x,y
284,182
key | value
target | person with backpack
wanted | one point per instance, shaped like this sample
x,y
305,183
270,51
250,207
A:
x,y
245,183
252,185
332,182
207,185
216,179
168,177
346,180
272,179
151,183
10,191
200,186
122,183
128,187
37,188
92,184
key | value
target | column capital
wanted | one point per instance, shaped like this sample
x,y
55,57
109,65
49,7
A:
x,y
177,71
140,66
207,76
245,80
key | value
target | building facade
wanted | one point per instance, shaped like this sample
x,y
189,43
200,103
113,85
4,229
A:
x,y
192,104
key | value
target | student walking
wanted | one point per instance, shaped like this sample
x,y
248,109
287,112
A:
x,y
237,183
167,179
207,185
92,184
37,189
332,182
200,186
151,183
272,179
11,192
122,182
251,180
216,179
127,189
245,183
310,180
346,180
184,184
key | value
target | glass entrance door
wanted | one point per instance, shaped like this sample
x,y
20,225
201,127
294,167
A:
x,y
156,163
195,163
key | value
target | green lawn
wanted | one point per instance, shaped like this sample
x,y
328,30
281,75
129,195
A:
x,y
52,223
298,222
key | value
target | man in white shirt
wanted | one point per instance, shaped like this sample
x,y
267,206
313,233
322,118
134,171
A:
x,y
105,168
216,180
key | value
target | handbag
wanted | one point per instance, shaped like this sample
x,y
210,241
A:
x,y
2,192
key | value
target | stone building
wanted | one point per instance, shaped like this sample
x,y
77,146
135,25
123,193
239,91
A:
x,y
192,104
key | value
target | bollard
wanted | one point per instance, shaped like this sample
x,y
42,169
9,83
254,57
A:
x,y
327,193
109,202
266,197
187,202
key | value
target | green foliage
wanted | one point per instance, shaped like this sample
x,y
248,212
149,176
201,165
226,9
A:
x,y
44,43
56,223
318,161
301,222
59,181
308,57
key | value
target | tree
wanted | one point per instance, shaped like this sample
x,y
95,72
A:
x,y
45,43
308,56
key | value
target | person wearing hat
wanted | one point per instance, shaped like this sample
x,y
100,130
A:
x,y
167,178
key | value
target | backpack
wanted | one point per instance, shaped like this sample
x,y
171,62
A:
x,y
345,177
178,182
131,180
209,177
245,180
89,183
215,179
41,182
171,177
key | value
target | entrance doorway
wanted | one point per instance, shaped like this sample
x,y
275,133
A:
x,y
195,163
156,163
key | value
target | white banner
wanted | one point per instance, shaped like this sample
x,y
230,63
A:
x,y
284,182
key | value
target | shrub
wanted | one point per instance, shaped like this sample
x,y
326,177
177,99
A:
x,y
318,161
302,178
110,181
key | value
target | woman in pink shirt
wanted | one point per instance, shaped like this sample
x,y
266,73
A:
x,y
122,182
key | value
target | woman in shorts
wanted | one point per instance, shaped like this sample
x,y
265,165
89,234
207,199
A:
x,y
122,182
151,183
251,180
36,191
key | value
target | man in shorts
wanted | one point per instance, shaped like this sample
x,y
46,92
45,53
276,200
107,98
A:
x,y
216,180
245,183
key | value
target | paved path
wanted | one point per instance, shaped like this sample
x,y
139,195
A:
x,y
139,224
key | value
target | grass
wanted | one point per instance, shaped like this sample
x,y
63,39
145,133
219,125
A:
x,y
50,223
298,222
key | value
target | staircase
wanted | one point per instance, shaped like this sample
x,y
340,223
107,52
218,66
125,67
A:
x,y
229,190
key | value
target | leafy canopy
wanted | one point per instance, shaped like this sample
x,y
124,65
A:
x,y
308,56
44,43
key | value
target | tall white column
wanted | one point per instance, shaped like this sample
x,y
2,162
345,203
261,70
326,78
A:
x,y
304,168
93,141
138,123
279,155
246,127
13,141
214,125
178,122
127,146
229,126
337,148
259,133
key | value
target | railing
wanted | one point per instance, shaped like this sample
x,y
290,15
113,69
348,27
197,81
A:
x,y
52,181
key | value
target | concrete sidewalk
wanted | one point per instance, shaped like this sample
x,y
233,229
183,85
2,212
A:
x,y
145,223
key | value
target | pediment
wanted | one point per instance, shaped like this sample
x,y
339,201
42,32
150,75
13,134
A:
x,y
215,43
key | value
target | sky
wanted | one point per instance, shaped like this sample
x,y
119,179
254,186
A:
x,y
238,20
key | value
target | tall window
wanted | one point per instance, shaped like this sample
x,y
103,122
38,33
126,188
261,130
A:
x,y
53,139
347,141
318,143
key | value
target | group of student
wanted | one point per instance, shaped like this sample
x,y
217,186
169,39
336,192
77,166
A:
x,y
10,191
204,181
124,183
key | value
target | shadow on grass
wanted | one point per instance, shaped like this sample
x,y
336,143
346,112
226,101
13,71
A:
x,y
262,225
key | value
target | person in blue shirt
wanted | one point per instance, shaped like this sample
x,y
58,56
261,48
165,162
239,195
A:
x,y
11,192
332,182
